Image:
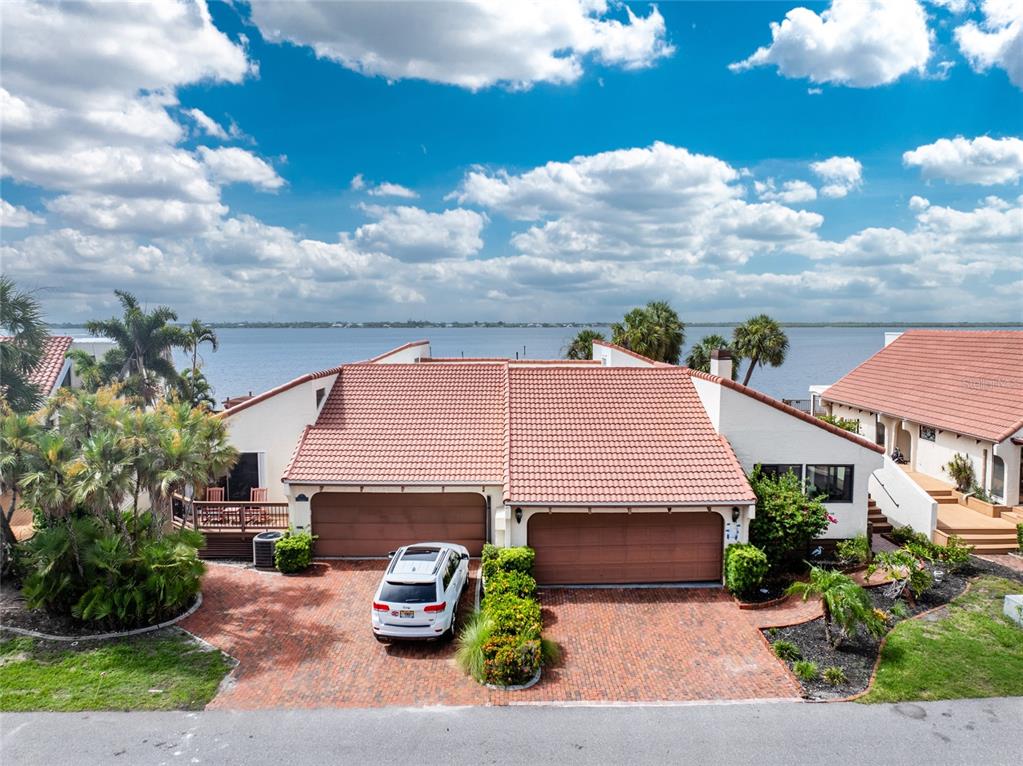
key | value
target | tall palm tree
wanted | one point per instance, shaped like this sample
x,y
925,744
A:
x,y
699,355
144,342
21,320
761,340
197,333
655,331
845,604
17,434
581,346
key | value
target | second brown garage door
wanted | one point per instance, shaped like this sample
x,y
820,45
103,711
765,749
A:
x,y
579,548
373,523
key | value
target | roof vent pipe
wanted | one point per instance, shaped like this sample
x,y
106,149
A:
x,y
721,363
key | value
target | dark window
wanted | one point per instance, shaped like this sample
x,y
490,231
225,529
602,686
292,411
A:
x,y
409,593
998,477
320,393
243,477
833,483
927,433
452,568
774,470
880,433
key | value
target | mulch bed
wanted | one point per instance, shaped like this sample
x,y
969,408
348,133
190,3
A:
x,y
857,655
15,614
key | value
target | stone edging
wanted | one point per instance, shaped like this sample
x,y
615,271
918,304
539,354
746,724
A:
x,y
755,605
105,636
880,648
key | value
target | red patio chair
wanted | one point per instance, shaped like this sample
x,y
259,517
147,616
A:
x,y
213,515
258,515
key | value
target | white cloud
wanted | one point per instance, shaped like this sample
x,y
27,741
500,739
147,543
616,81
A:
x,y
474,44
790,191
982,160
16,216
211,127
233,165
997,41
660,202
859,43
414,234
840,175
141,215
387,189
358,182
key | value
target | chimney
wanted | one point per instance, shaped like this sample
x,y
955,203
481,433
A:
x,y
721,363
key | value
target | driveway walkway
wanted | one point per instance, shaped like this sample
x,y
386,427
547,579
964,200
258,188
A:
x,y
305,641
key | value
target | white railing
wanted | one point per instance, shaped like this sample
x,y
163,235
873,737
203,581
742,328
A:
x,y
901,499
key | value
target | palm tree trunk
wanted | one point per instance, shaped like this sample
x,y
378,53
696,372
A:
x,y
749,370
195,354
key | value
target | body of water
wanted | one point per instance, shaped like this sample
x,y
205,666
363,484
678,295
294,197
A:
x,y
255,360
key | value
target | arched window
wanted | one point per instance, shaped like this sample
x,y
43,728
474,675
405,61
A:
x,y
997,477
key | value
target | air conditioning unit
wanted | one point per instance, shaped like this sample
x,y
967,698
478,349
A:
x,y
263,546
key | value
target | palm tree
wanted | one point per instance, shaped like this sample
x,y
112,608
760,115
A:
x,y
197,333
761,340
846,605
196,390
144,342
699,355
655,331
88,368
21,319
17,434
581,346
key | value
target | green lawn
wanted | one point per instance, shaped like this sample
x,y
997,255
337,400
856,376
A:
x,y
168,671
974,651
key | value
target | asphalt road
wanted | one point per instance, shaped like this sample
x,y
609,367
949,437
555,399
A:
x,y
966,731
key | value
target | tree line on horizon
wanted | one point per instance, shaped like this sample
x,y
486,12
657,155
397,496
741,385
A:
x,y
656,331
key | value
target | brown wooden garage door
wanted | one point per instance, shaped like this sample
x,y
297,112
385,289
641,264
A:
x,y
578,548
373,523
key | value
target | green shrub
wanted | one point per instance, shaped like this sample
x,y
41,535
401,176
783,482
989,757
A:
x,y
834,676
475,634
846,424
846,605
510,660
131,574
903,564
490,551
805,670
981,494
955,553
899,610
786,650
514,582
960,468
923,550
514,616
854,551
745,567
550,651
1019,536
509,560
787,519
903,535
294,552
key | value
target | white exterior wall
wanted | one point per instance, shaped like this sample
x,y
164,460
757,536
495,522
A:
x,y
931,457
96,347
405,355
759,433
614,357
868,419
902,500
274,426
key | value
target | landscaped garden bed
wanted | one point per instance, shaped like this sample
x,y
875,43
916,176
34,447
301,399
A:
x,y
166,670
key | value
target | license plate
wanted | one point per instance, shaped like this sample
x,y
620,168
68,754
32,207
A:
x,y
406,613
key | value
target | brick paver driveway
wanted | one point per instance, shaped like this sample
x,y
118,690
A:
x,y
305,641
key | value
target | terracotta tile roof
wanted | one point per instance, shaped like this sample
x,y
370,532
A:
x,y
615,435
786,408
969,382
248,401
407,424
46,374
551,434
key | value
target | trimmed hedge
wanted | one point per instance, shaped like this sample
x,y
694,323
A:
x,y
745,567
294,552
515,583
508,560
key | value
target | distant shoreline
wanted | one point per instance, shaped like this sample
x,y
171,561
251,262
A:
x,y
566,325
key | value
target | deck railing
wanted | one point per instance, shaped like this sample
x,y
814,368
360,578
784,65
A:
x,y
230,515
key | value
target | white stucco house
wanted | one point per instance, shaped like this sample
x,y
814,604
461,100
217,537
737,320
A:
x,y
937,393
615,469
54,370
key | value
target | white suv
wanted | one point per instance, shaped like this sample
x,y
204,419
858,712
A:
x,y
418,596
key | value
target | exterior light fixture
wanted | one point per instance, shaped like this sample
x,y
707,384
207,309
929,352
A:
x,y
301,498
518,515
735,513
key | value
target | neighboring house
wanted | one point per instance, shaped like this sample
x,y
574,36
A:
x,y
616,469
935,393
54,369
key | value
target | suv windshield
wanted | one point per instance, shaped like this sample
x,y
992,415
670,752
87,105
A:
x,y
409,593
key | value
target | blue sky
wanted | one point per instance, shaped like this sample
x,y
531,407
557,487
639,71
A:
x,y
583,159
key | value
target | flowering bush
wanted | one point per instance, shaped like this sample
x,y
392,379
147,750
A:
x,y
510,660
787,519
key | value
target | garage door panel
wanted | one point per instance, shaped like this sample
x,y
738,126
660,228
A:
x,y
374,523
626,548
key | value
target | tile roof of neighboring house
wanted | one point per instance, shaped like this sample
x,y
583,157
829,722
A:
x,y
551,434
615,435
407,424
786,408
46,375
969,382
251,400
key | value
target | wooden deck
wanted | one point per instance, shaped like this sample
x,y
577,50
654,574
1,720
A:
x,y
229,526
